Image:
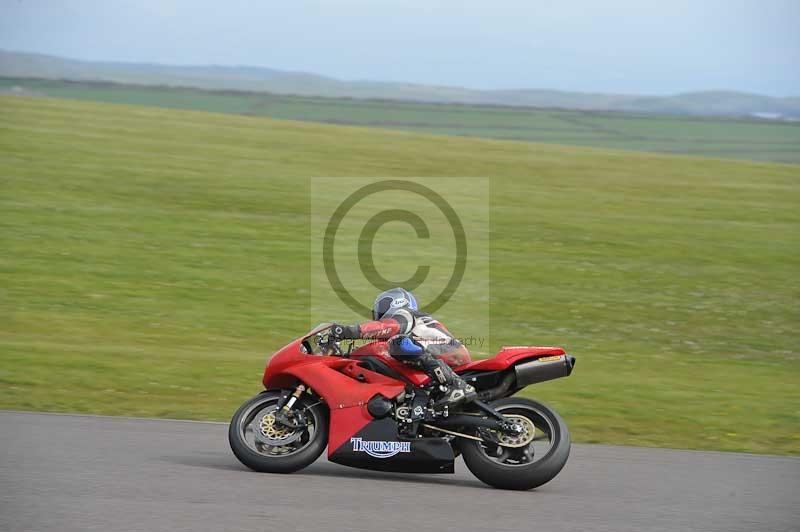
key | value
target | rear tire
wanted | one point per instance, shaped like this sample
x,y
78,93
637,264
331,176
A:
x,y
277,459
521,475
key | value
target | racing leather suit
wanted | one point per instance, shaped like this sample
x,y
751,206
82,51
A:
x,y
418,339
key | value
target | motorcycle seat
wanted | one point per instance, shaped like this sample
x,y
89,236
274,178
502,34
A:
x,y
508,356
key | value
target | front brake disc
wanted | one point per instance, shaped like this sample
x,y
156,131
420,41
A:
x,y
269,432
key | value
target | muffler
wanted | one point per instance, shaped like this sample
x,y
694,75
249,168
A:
x,y
543,369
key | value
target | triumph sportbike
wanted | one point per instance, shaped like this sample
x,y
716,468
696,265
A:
x,y
374,412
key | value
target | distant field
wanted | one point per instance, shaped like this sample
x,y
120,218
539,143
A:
x,y
152,258
714,137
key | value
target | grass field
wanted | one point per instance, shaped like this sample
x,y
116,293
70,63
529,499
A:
x,y
152,258
716,137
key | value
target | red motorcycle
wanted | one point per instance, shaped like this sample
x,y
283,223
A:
x,y
374,412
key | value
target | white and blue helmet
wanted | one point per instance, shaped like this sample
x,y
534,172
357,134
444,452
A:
x,y
392,299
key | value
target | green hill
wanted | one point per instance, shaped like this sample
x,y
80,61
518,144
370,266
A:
x,y
259,79
766,140
153,258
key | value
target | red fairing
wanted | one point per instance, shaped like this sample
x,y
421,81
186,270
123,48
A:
x,y
380,330
336,380
380,350
508,356
345,423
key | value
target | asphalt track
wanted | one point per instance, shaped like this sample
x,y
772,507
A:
x,y
84,473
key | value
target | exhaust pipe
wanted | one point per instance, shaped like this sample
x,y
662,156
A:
x,y
543,369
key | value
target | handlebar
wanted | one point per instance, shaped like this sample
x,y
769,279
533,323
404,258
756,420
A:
x,y
328,344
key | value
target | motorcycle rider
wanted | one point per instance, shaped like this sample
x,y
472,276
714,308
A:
x,y
417,339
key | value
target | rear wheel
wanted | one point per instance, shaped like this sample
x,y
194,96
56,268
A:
x,y
263,444
527,460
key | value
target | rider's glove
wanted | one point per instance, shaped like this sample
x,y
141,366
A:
x,y
345,332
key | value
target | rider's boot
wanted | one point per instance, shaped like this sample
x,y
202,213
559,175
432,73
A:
x,y
454,390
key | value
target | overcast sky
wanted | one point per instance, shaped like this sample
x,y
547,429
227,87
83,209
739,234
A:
x,y
628,46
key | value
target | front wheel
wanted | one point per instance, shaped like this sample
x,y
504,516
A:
x,y
266,446
528,460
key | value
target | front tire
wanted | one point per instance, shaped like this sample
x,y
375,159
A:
x,y
522,467
263,446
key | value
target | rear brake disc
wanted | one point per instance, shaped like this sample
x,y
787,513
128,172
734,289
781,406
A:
x,y
524,438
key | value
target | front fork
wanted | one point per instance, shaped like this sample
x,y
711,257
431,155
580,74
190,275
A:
x,y
285,415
